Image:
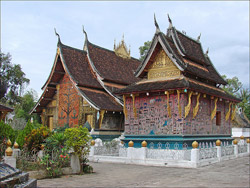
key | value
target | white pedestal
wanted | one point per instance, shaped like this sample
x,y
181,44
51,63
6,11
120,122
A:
x,y
195,155
92,150
236,150
10,160
75,164
16,152
218,152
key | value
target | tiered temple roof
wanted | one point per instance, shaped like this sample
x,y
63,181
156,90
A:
x,y
95,72
197,70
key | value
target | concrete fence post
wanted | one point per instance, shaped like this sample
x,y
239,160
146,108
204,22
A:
x,y
16,152
75,163
218,152
236,150
195,155
92,151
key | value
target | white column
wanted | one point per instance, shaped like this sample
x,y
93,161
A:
x,y
236,150
248,147
92,150
130,152
218,152
10,160
16,152
75,163
241,142
195,155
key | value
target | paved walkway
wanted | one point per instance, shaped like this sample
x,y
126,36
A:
x,y
231,173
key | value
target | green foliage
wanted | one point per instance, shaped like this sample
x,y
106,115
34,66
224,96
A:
x,y
12,80
57,140
62,129
247,111
36,137
7,132
244,95
26,104
54,165
23,133
233,86
144,50
77,138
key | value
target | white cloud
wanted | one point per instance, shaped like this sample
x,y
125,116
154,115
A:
x,y
27,30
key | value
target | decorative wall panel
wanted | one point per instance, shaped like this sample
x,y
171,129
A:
x,y
162,67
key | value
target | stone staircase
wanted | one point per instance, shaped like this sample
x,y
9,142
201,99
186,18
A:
x,y
12,177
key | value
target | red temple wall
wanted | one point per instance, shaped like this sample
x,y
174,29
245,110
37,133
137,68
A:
x,y
152,116
68,105
202,123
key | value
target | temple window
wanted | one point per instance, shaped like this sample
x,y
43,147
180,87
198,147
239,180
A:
x,y
218,118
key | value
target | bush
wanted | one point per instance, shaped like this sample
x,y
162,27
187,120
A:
x,y
54,162
23,133
6,132
36,137
57,140
77,138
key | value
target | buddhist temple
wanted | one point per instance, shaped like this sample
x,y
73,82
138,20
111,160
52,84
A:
x,y
79,89
178,98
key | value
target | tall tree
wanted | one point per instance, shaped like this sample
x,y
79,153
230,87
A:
x,y
233,86
27,102
144,50
12,80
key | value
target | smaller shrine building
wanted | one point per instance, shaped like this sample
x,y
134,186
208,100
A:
x,y
179,98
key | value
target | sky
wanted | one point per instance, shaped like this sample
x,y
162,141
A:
x,y
27,30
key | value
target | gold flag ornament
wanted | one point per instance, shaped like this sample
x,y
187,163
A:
x,y
196,108
168,106
134,109
179,106
187,108
233,112
215,108
125,111
101,117
228,112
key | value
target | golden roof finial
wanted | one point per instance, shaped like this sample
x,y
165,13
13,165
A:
x,y
121,49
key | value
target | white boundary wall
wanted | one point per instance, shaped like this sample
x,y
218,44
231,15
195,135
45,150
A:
x,y
199,156
238,132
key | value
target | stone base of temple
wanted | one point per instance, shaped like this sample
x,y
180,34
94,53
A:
x,y
176,141
105,135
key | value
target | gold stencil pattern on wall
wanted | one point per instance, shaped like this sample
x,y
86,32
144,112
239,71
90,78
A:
x,y
187,108
228,112
162,67
233,112
215,108
196,108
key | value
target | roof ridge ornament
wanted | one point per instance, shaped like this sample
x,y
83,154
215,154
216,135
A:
x,y
59,40
170,22
86,39
207,51
156,25
85,33
121,49
198,38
